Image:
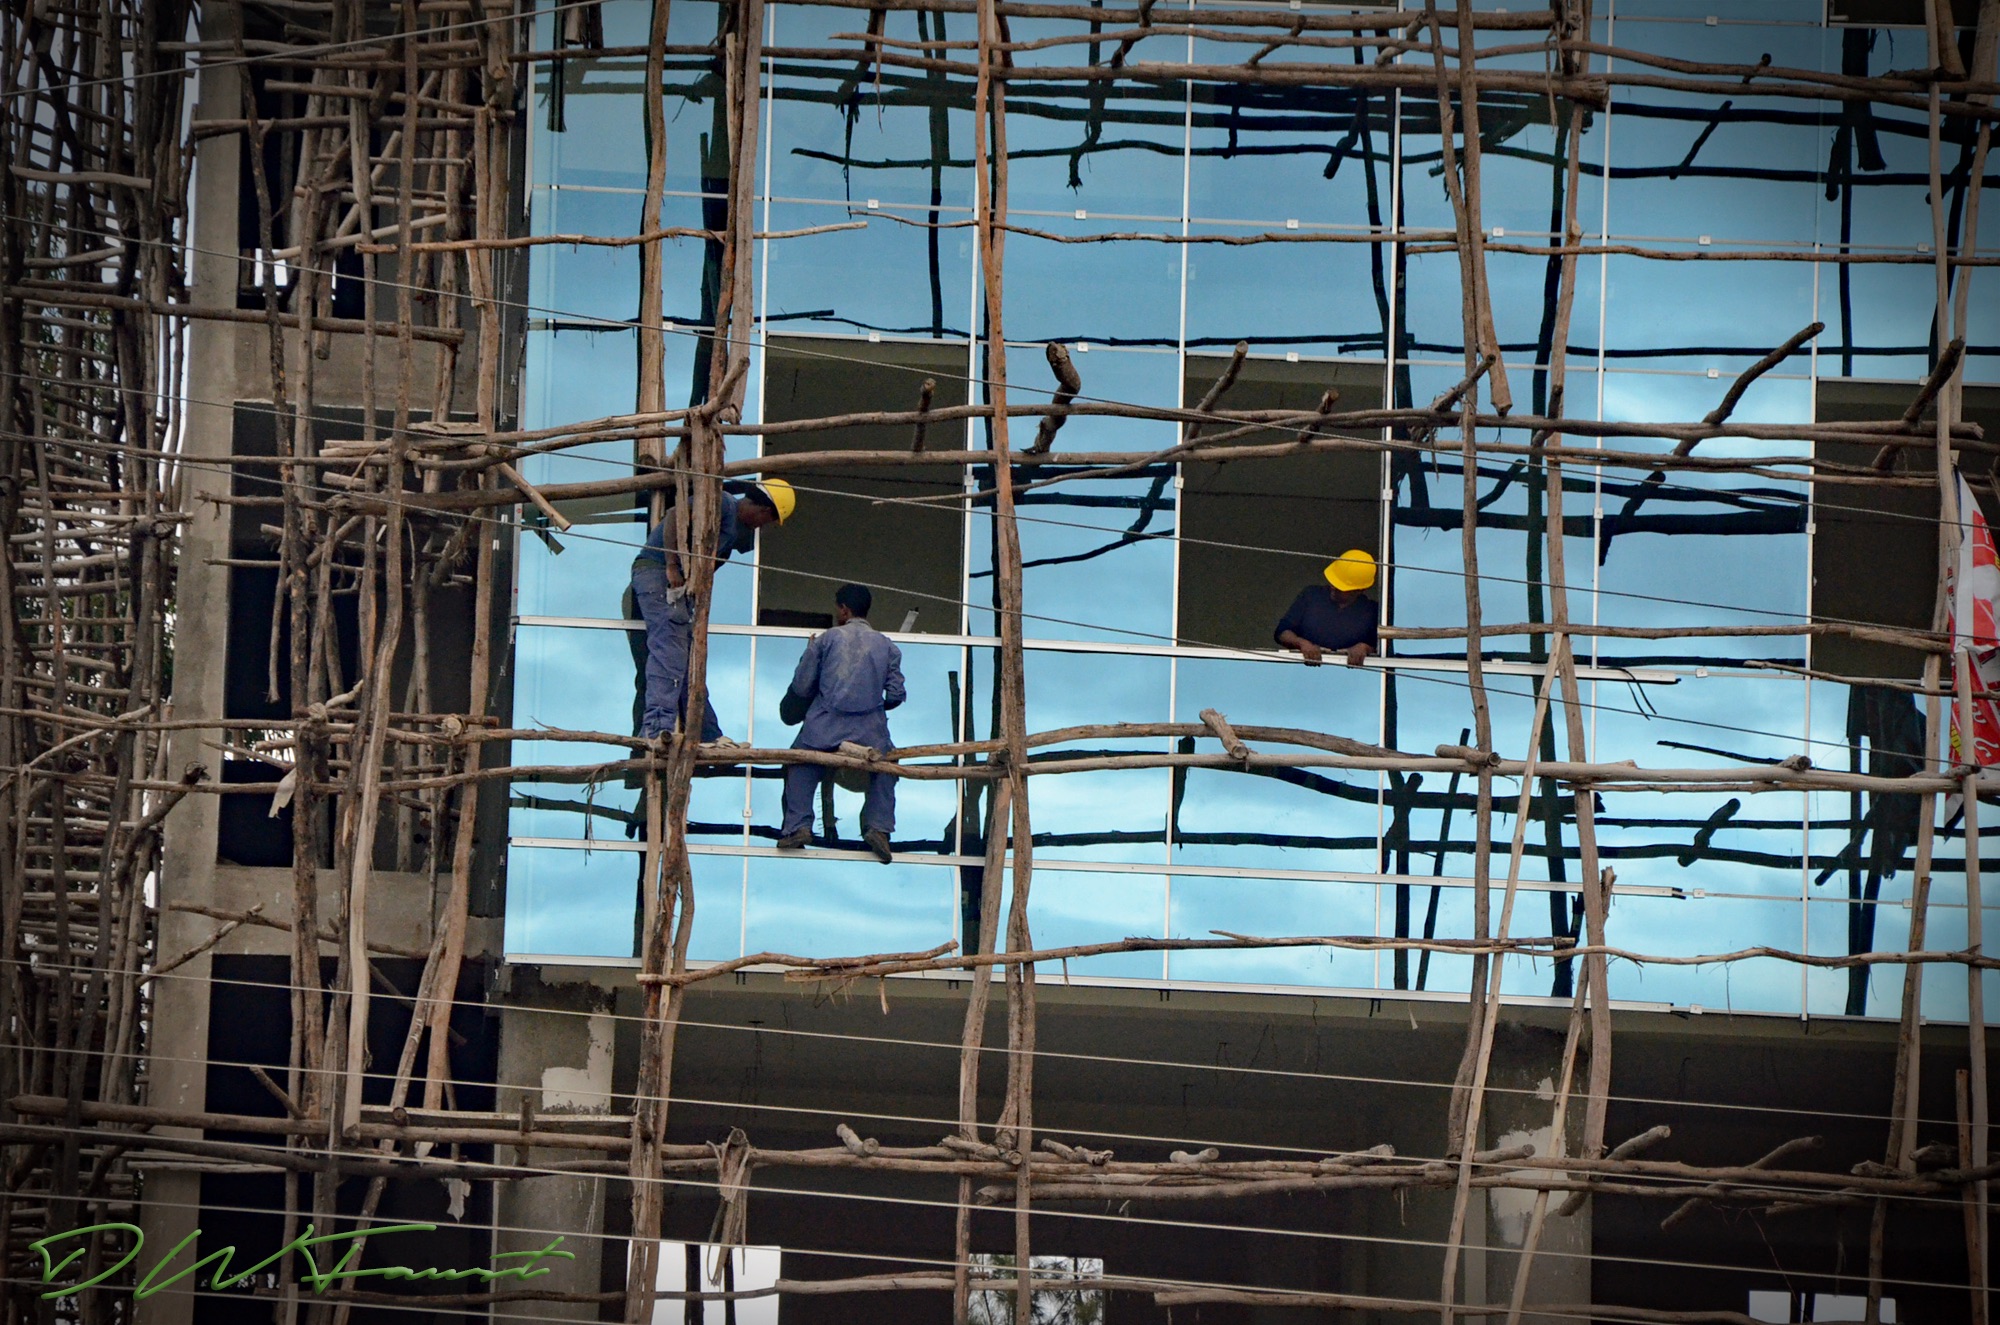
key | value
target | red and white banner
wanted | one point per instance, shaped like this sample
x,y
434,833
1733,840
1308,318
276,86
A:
x,y
1973,590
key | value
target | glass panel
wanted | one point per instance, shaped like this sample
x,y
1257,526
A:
x,y
1096,147
1317,155
1117,292
1520,161
1071,908
1442,971
1748,170
1137,377
1272,908
590,575
919,279
1426,575
1307,818
1667,926
579,374
897,135
1098,560
1752,525
1703,315
572,903
562,683
601,141
1525,291
1108,815
1874,991
812,906
1879,322
599,281
1715,842
1284,297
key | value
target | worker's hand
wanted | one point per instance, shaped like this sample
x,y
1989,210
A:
x,y
1310,652
1357,654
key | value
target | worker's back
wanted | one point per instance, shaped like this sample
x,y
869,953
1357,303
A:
x,y
857,665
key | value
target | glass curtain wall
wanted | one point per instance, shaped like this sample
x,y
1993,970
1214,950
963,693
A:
x,y
1153,596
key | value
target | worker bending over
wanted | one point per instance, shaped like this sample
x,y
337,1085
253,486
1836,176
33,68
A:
x,y
659,588
848,680
1338,616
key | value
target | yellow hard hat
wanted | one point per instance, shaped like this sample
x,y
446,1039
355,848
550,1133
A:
x,y
1351,570
782,496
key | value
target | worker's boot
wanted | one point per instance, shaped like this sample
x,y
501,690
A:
x,y
878,842
796,840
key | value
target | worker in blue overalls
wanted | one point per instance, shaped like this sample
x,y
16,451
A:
x,y
659,589
848,680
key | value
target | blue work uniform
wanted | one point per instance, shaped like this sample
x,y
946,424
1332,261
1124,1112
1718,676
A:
x,y
1317,615
670,622
853,675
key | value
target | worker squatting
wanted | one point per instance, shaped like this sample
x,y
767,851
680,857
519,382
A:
x,y
852,675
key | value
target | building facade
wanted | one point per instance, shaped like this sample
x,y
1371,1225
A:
x,y
1762,603
1152,595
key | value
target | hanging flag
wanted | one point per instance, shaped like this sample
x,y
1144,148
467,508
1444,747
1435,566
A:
x,y
1973,589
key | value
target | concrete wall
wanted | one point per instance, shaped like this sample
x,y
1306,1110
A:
x,y
556,1055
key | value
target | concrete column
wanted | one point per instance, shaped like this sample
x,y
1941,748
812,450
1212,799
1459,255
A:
x,y
556,1054
1519,1110
178,1035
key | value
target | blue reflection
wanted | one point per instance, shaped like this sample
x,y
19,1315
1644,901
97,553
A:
x,y
1875,991
1272,907
1306,297
896,276
1724,315
811,906
1107,815
1673,927
1309,154
1741,169
577,903
1097,147
1122,292
1752,525
1069,908
1315,818
893,134
588,115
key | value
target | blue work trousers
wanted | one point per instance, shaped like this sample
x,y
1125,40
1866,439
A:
x,y
669,638
878,806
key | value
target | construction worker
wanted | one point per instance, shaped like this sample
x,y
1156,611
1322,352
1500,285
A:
x,y
844,687
659,590
1339,616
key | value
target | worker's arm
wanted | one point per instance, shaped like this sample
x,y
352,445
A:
x,y
893,691
805,677
1286,633
663,537
1358,652
1291,639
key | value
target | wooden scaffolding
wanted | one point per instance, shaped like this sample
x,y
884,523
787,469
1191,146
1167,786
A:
x,y
411,109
